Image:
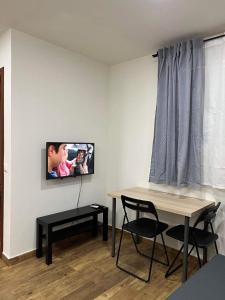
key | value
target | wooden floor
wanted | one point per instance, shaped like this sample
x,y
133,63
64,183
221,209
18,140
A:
x,y
84,269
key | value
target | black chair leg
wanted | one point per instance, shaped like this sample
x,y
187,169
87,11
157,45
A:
x,y
135,243
199,260
167,258
205,255
118,253
217,252
152,258
128,272
168,272
147,256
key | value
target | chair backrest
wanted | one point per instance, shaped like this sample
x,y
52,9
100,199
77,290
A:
x,y
138,205
208,215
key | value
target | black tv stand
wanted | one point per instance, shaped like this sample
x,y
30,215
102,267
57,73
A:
x,y
45,225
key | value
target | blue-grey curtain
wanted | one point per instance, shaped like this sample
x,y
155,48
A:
x,y
176,152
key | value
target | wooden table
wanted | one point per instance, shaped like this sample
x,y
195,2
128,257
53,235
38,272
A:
x,y
172,203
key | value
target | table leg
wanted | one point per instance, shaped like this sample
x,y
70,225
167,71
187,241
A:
x,y
48,245
113,226
105,224
185,253
39,233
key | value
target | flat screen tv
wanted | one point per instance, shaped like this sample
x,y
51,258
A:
x,y
69,159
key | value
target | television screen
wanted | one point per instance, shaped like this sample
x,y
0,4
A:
x,y
69,159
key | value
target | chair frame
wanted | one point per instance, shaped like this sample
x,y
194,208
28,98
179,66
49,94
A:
x,y
207,216
141,206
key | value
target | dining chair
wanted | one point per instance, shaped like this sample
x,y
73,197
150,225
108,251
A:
x,y
198,238
142,227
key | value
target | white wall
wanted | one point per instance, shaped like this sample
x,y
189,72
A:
x,y
57,95
5,61
133,90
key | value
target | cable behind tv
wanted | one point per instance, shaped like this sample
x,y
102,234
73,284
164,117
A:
x,y
78,198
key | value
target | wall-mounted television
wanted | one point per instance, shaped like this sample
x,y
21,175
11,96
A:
x,y
69,159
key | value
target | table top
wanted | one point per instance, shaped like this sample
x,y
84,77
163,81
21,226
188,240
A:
x,y
177,204
207,283
70,215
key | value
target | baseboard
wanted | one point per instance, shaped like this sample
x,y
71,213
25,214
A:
x,y
24,256
32,253
19,258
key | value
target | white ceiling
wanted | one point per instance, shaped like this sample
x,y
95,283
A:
x,y
113,31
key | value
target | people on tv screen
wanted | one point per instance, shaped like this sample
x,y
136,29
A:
x,y
69,159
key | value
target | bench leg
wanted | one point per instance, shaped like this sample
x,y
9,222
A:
x,y
48,245
39,233
95,225
105,224
113,227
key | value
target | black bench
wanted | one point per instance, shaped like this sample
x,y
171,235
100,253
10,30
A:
x,y
45,225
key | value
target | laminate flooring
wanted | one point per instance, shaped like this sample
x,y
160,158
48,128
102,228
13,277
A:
x,y
83,268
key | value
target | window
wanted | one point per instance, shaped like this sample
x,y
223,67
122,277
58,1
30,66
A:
x,y
213,162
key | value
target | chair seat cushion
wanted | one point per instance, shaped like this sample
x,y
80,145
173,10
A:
x,y
145,227
202,237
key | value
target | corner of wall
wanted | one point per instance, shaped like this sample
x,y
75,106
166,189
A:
x,y
5,61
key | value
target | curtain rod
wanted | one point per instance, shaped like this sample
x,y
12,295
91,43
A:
x,y
205,40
